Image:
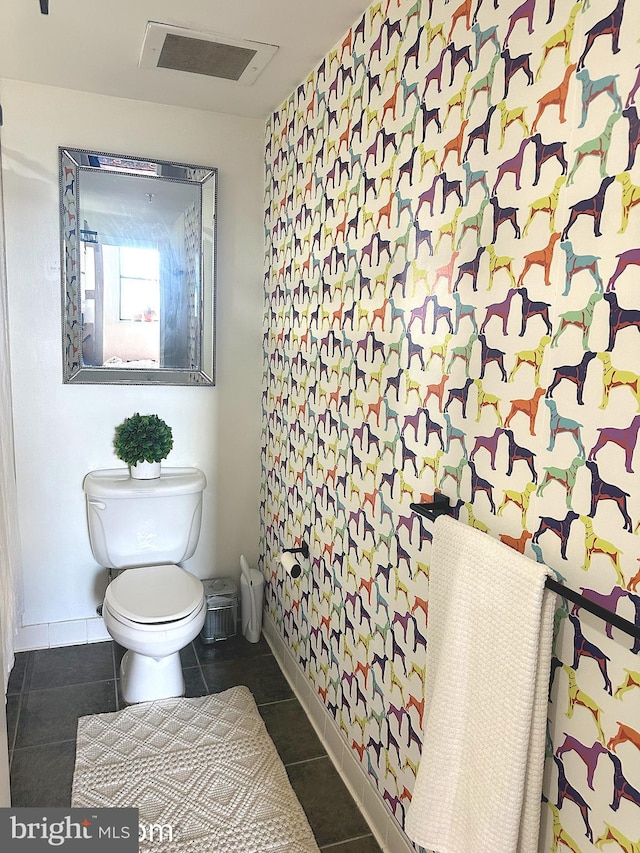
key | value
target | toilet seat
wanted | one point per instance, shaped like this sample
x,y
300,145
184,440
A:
x,y
154,595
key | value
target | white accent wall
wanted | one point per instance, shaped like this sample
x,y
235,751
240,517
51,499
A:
x,y
63,431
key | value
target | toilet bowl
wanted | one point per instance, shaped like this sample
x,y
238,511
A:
x,y
153,612
153,607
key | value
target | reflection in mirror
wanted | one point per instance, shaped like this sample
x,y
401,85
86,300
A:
x,y
138,271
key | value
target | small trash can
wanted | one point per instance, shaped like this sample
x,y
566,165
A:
x,y
251,592
222,610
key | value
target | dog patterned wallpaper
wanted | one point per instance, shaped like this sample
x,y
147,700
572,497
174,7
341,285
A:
x,y
453,248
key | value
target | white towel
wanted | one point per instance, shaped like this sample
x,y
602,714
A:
x,y
489,633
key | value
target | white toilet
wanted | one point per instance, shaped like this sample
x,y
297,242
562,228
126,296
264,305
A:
x,y
152,607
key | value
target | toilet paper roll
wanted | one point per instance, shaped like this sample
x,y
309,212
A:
x,y
290,564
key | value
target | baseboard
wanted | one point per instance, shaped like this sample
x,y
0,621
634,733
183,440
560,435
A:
x,y
383,825
49,635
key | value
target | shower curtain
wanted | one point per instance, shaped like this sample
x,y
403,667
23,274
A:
x,y
10,566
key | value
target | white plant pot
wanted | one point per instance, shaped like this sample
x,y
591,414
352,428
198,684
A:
x,y
145,470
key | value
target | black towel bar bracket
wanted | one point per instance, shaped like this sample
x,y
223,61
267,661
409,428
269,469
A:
x,y
438,506
441,506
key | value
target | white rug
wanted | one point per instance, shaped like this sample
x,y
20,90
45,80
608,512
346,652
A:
x,y
204,767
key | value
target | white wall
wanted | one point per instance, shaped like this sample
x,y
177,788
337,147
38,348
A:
x,y
63,431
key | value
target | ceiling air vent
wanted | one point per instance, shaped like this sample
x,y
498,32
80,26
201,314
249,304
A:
x,y
210,54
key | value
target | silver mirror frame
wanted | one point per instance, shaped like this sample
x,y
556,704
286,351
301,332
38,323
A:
x,y
73,369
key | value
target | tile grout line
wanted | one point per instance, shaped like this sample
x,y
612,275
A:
x,y
21,695
41,745
306,760
199,665
72,684
335,844
276,702
115,674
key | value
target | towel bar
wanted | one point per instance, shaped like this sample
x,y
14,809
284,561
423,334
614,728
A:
x,y
440,505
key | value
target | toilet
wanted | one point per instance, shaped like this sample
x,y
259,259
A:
x,y
141,530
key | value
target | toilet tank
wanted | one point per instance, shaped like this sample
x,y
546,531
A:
x,y
143,522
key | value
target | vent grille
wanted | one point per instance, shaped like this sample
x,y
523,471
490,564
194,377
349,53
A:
x,y
179,49
204,57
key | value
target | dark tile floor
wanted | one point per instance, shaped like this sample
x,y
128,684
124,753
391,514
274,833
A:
x,y
50,688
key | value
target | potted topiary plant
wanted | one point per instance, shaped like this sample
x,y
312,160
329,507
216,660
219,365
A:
x,y
142,442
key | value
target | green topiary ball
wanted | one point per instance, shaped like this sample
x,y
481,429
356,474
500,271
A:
x,y
143,438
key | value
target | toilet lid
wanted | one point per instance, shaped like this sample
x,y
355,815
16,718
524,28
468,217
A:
x,y
154,593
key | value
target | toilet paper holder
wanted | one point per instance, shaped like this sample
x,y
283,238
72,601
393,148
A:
x,y
303,549
290,563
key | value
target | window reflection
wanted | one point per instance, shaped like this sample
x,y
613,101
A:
x,y
139,283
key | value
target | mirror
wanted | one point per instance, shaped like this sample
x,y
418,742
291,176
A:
x,y
138,269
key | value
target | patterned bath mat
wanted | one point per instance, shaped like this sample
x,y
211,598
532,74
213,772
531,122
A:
x,y
204,773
